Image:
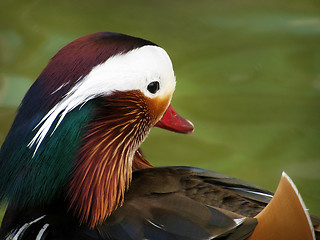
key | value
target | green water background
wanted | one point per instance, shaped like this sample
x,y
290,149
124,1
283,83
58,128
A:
x,y
248,77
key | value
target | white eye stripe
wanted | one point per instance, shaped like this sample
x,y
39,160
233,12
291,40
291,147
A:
x,y
124,72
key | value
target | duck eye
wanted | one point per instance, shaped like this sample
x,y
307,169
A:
x,y
153,87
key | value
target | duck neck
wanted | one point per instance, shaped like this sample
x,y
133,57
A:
x,y
103,170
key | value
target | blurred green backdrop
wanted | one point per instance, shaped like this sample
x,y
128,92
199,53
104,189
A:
x,y
248,76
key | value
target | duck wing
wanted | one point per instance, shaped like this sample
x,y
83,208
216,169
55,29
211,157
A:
x,y
184,203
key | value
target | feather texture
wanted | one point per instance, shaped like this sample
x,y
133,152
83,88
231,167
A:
x,y
103,169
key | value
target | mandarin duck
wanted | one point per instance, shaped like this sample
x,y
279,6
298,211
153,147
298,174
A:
x,y
72,168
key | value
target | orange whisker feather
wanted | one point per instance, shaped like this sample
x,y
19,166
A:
x,y
103,171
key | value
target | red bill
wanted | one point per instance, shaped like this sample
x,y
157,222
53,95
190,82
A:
x,y
172,121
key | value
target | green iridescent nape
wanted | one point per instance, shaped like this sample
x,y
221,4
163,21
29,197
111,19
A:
x,y
26,179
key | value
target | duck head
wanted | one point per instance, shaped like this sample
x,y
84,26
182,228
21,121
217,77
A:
x,y
80,125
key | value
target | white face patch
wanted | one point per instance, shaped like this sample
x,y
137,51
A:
x,y
134,70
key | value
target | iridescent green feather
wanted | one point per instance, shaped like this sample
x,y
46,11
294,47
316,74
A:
x,y
26,179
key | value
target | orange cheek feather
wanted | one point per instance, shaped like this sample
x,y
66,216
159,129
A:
x,y
157,107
